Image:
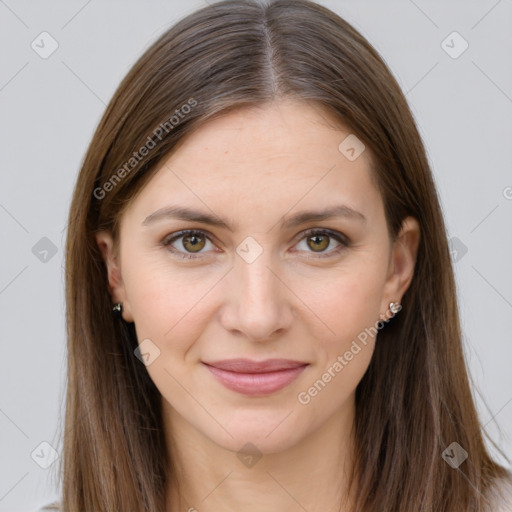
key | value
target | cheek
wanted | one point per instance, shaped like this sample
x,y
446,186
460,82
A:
x,y
168,304
349,309
170,309
345,300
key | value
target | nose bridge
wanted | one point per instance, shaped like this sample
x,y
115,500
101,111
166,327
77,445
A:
x,y
260,304
258,281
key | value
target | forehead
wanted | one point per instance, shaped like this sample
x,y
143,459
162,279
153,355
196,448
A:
x,y
288,130
267,160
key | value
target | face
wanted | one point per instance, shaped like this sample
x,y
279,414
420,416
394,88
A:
x,y
259,283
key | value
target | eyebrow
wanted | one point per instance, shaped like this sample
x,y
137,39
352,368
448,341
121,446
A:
x,y
187,214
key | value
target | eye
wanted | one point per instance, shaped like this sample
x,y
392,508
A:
x,y
318,240
193,241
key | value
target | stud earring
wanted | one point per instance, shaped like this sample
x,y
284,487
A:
x,y
395,307
117,310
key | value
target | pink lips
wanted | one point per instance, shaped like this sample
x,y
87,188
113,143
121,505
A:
x,y
256,377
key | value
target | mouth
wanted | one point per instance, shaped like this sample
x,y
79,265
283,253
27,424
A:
x,y
256,378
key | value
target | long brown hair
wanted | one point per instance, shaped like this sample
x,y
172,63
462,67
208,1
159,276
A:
x,y
414,400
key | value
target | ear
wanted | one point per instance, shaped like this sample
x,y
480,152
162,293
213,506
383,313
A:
x,y
401,265
116,286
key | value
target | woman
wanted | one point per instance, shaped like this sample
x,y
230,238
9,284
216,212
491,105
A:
x,y
261,307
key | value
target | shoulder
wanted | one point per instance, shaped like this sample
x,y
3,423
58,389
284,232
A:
x,y
501,495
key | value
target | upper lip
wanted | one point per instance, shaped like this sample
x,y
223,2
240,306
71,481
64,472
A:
x,y
249,366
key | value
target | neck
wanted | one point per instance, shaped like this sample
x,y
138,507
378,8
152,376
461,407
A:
x,y
311,475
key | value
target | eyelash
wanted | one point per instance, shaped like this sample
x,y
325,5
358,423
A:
x,y
343,241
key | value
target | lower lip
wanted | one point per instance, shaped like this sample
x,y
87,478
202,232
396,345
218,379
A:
x,y
255,384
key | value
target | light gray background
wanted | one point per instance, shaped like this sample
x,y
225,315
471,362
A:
x,y
50,107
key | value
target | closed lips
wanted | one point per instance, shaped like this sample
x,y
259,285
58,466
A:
x,y
256,378
248,366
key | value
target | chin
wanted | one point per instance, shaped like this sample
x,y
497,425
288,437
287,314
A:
x,y
268,433
256,443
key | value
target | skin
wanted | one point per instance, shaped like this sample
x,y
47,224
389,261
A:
x,y
254,167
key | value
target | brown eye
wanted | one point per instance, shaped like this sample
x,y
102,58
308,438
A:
x,y
318,242
193,243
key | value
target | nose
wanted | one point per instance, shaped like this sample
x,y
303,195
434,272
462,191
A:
x,y
259,305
